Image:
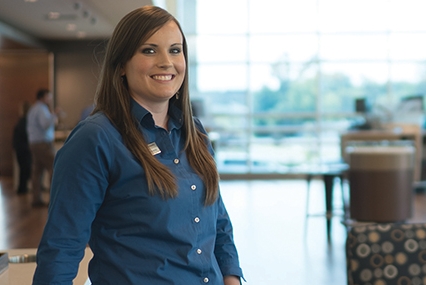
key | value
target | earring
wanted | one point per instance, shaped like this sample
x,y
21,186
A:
x,y
177,95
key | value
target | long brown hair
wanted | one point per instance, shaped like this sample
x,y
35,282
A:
x,y
113,99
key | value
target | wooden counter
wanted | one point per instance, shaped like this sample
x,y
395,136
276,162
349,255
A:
x,y
22,273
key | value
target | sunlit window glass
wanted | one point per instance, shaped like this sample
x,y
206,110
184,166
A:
x,y
221,17
280,81
344,16
221,48
279,17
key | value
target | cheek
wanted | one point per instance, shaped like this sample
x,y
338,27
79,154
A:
x,y
181,66
136,68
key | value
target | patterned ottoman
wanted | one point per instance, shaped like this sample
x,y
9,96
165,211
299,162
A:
x,y
386,254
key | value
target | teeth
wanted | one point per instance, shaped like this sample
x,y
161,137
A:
x,y
162,77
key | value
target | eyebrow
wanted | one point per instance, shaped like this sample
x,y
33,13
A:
x,y
155,45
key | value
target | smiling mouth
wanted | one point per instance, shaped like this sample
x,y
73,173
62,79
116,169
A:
x,y
163,77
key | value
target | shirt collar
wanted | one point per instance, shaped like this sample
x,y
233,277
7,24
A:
x,y
144,117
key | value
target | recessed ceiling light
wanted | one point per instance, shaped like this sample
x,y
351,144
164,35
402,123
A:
x,y
54,15
31,1
81,34
71,27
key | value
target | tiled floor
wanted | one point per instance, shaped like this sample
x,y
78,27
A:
x,y
269,226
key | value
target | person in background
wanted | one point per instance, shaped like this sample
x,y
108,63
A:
x,y
41,134
136,180
22,150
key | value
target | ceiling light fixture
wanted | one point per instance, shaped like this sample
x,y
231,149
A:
x,y
53,15
71,27
81,34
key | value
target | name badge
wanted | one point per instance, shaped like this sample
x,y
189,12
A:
x,y
154,148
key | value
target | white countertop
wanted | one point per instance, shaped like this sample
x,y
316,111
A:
x,y
22,273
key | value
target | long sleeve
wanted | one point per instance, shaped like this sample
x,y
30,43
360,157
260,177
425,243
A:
x,y
225,250
77,191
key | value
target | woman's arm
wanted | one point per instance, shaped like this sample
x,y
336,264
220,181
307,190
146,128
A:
x,y
225,250
77,190
231,280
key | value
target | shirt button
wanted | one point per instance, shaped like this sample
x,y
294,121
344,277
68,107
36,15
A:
x,y
197,219
206,280
193,187
176,161
199,251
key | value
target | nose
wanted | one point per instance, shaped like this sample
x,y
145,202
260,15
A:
x,y
164,60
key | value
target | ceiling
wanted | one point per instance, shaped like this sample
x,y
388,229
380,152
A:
x,y
76,19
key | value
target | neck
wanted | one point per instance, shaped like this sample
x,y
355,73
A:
x,y
158,110
161,120
160,116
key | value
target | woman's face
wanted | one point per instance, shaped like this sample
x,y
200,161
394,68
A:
x,y
157,69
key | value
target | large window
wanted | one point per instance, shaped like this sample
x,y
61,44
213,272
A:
x,y
275,82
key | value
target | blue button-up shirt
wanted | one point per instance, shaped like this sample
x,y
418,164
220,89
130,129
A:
x,y
40,123
99,195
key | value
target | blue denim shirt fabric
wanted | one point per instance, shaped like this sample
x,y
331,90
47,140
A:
x,y
99,196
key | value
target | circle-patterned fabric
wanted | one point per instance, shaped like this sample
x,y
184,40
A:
x,y
386,254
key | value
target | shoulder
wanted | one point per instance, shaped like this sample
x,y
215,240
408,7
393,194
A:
x,y
96,123
199,125
37,108
92,140
96,129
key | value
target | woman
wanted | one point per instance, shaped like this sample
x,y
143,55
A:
x,y
137,179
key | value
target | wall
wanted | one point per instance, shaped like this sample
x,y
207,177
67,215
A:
x,y
76,71
22,73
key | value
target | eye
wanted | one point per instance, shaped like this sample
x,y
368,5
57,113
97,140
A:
x,y
148,51
175,50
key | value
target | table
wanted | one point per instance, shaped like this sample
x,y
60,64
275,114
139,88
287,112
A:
x,y
22,273
328,173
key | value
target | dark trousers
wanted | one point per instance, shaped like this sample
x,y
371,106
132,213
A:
x,y
23,156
